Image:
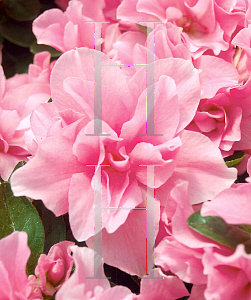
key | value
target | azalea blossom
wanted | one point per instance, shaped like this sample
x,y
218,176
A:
x,y
67,154
55,268
19,95
206,24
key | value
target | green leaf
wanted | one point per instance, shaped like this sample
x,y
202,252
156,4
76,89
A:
x,y
54,227
18,214
19,33
36,48
22,10
18,165
234,159
143,29
218,230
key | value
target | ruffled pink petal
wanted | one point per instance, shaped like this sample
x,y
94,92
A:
x,y
74,87
200,168
30,179
233,205
162,288
216,73
79,285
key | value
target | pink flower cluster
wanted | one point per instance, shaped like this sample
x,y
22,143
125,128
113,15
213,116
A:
x,y
201,114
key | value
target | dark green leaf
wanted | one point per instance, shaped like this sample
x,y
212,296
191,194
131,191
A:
x,y
19,33
18,214
218,230
36,48
22,10
234,159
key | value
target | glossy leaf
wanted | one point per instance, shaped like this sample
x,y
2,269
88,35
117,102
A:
x,y
218,230
234,159
18,214
36,48
19,33
22,10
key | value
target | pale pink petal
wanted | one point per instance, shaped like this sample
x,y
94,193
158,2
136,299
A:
x,y
186,79
79,286
216,73
180,260
233,205
232,272
116,293
161,287
30,179
80,94
128,244
127,12
7,164
48,28
14,254
166,114
200,168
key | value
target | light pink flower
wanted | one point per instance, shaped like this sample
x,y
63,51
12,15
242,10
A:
x,y
19,95
66,151
14,254
84,284
55,268
70,29
228,276
131,46
206,24
219,119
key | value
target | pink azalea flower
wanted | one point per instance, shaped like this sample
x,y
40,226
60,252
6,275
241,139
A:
x,y
84,285
206,24
228,276
65,151
219,119
131,46
70,29
14,254
55,268
19,95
